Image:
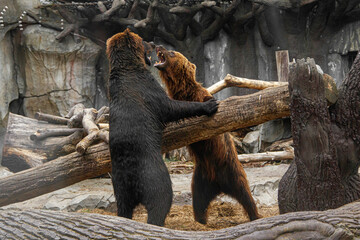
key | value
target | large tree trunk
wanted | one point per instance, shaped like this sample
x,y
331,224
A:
x,y
341,223
233,113
324,174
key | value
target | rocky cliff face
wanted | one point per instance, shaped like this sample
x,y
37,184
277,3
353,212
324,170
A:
x,y
57,75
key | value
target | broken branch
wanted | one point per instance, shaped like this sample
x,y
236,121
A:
x,y
51,118
232,81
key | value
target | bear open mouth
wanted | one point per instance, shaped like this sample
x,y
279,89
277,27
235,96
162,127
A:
x,y
161,59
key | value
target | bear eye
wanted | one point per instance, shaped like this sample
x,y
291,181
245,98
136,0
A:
x,y
172,54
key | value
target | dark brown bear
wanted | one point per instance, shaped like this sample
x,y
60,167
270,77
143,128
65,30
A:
x,y
217,168
139,110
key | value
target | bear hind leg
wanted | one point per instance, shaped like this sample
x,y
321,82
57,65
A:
x,y
241,192
157,193
125,207
125,198
157,215
203,192
159,206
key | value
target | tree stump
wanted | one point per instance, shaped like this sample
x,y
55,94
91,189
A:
x,y
324,174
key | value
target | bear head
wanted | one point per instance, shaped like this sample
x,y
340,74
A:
x,y
127,49
175,70
169,61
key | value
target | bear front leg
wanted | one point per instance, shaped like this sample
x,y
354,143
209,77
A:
x,y
203,192
177,110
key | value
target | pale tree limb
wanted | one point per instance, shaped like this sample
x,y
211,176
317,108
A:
x,y
232,81
92,130
267,156
331,92
45,133
51,118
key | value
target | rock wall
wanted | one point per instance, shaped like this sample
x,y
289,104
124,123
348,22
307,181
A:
x,y
8,84
66,71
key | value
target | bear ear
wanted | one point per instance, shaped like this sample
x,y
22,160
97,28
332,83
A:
x,y
193,66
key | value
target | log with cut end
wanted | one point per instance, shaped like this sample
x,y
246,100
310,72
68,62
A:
x,y
233,113
341,223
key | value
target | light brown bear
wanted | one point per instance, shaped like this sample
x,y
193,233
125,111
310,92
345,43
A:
x,y
217,168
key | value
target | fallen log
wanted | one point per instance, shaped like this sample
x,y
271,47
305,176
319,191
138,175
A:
x,y
233,113
341,223
266,156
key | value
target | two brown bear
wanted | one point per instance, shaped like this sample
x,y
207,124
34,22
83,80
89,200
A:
x,y
217,168
139,110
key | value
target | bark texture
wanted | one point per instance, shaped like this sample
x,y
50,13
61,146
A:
x,y
341,223
324,174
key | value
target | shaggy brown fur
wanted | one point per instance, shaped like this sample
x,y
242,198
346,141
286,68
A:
x,y
217,168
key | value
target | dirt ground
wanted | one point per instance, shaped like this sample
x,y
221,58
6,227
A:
x,y
220,214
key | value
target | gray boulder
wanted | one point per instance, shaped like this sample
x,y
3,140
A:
x,y
251,142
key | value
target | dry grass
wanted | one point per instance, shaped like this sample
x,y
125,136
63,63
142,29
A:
x,y
220,215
